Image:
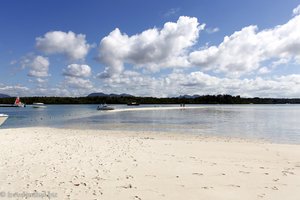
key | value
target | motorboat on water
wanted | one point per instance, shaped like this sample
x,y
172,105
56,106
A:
x,y
105,107
133,104
3,118
38,105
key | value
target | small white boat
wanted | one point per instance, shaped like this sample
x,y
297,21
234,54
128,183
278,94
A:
x,y
38,105
133,104
105,107
3,117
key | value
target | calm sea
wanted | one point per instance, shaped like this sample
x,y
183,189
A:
x,y
276,123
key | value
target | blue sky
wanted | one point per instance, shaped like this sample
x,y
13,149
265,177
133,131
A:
x,y
158,48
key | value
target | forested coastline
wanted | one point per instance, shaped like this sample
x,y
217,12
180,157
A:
x,y
205,99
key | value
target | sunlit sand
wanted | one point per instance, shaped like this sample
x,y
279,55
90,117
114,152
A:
x,y
95,164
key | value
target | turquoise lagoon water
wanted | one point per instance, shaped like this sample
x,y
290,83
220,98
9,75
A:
x,y
276,123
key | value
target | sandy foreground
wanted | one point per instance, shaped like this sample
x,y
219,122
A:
x,y
91,164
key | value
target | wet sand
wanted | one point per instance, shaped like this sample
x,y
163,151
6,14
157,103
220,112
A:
x,y
94,164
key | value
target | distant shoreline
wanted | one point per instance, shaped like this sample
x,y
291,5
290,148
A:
x,y
186,99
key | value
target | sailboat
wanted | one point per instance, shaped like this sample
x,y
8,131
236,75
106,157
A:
x,y
18,103
3,117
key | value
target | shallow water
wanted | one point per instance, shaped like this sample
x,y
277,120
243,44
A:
x,y
277,123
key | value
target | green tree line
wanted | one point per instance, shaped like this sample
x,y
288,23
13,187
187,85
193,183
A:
x,y
205,99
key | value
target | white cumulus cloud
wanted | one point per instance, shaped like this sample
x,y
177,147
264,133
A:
x,y
76,78
73,46
38,65
152,49
78,83
244,51
14,90
296,11
212,30
242,64
77,70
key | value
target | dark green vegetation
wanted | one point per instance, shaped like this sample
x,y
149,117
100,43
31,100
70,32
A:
x,y
206,99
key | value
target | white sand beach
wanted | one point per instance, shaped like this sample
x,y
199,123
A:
x,y
94,164
160,108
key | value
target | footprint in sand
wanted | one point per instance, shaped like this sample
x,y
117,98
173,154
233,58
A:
x,y
232,185
244,172
285,173
151,176
129,176
198,174
206,187
129,186
261,195
274,188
